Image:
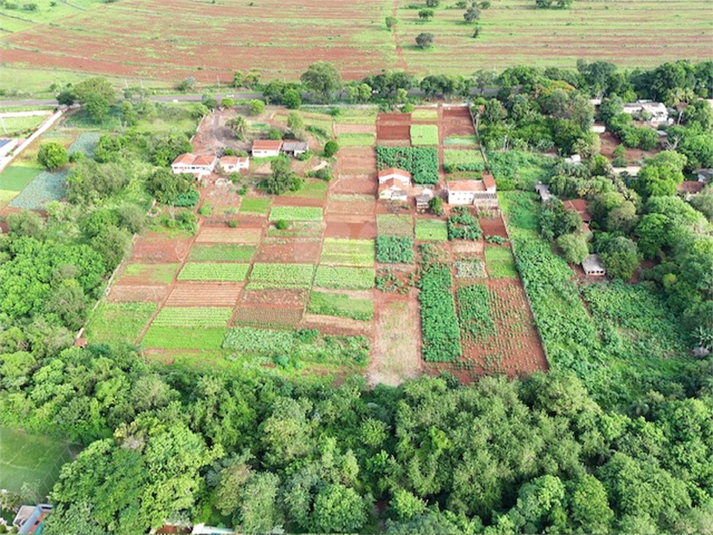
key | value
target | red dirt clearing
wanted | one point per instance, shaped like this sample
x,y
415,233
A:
x,y
268,316
393,127
229,235
154,247
337,326
493,227
297,201
354,129
282,297
356,160
357,206
354,227
356,184
204,295
121,293
456,121
289,251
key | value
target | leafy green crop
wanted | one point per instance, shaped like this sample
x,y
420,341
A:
x,y
439,323
394,249
421,162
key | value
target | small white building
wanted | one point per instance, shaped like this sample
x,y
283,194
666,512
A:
x,y
197,165
704,175
598,128
631,170
399,175
592,266
392,190
574,159
234,164
7,145
543,190
266,148
294,148
657,112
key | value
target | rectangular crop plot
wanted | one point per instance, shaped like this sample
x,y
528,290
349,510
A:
x,y
431,230
279,317
222,253
461,140
16,177
424,114
395,225
118,322
282,275
148,273
229,235
296,213
463,160
254,205
421,162
500,263
185,337
213,271
192,317
204,294
329,304
424,134
344,252
344,278
357,140
297,229
44,188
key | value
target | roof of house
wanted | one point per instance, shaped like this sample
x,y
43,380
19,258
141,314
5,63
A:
x,y
267,144
691,186
466,185
580,206
488,180
4,141
294,145
592,263
229,160
392,185
204,160
184,159
393,171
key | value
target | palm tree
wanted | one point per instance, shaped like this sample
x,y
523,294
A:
x,y
239,126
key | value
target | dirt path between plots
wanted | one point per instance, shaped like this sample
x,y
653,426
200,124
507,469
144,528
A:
x,y
397,43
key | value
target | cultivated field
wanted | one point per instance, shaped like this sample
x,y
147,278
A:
x,y
281,38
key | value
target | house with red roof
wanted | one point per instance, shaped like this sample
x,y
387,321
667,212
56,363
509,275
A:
x,y
196,165
234,164
480,193
266,148
392,173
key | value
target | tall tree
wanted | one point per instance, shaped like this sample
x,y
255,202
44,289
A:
x,y
322,78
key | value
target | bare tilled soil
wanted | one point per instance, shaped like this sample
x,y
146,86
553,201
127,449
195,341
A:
x,y
289,251
127,293
204,294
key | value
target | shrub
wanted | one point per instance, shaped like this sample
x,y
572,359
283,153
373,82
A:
x,y
282,224
394,249
330,148
439,323
462,225
256,107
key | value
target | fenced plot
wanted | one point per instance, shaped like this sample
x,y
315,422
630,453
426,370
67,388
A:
x,y
213,271
281,275
345,252
192,317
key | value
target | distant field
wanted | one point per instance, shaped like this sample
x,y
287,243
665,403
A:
x,y
281,38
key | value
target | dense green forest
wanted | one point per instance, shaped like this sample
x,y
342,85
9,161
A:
x,y
618,438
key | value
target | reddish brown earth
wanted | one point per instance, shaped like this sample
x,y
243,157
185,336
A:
x,y
354,129
493,227
154,248
127,293
356,184
609,142
290,251
297,201
289,298
268,316
358,206
203,294
338,326
229,235
356,160
456,121
354,227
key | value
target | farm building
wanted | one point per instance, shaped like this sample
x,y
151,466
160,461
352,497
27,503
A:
x,y
197,165
422,200
543,191
581,207
599,128
232,164
655,112
6,146
480,193
404,177
392,190
265,148
30,518
294,148
593,267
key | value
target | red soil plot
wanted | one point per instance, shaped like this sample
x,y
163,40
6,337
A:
x,y
353,227
493,227
297,201
289,251
393,129
204,295
354,129
356,160
121,293
356,184
268,316
275,297
154,247
229,235
337,326
456,121
356,206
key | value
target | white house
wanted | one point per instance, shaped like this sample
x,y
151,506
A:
x,y
392,190
481,193
631,170
295,148
656,110
233,164
404,177
574,159
266,148
196,165
593,267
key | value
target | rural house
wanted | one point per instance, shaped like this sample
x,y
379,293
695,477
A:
x,y
422,200
655,112
392,190
265,148
294,148
233,164
196,165
593,267
404,177
581,207
481,193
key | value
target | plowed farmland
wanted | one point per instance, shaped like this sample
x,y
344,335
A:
x,y
169,40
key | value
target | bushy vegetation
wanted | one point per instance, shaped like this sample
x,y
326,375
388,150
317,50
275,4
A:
x,y
394,249
474,313
344,278
463,225
421,162
439,323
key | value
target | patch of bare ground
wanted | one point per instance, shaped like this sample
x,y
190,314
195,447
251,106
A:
x,y
357,184
337,326
203,294
354,129
121,293
154,248
354,227
289,251
395,354
229,235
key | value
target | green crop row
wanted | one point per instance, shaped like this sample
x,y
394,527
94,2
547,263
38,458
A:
x,y
439,322
296,213
283,275
431,230
424,134
213,271
394,249
222,253
329,304
192,317
474,312
421,162
462,225
344,278
347,252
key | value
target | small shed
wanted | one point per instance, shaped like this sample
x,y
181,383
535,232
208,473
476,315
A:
x,y
391,191
422,200
294,148
543,190
593,266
